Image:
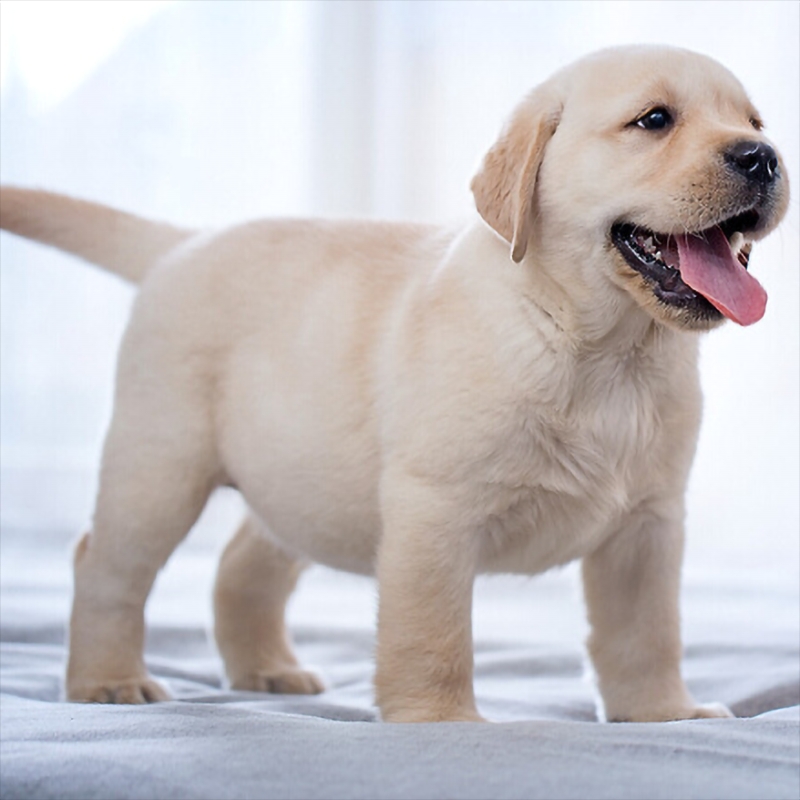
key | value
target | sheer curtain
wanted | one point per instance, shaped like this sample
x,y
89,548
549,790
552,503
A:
x,y
206,113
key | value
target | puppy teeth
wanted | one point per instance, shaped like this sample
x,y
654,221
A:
x,y
737,240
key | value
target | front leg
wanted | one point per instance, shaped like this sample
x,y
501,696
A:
x,y
632,585
426,570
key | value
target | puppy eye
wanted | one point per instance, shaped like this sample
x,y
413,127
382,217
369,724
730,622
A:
x,y
757,123
657,119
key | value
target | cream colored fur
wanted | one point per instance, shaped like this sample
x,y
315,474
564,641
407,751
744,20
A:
x,y
413,402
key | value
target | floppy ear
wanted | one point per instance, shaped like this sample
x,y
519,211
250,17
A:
x,y
504,186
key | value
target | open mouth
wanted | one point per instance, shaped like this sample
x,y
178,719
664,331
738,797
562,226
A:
x,y
704,272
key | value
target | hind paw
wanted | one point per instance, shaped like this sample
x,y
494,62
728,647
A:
x,y
134,692
292,680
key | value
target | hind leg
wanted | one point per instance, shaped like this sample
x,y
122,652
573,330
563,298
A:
x,y
254,581
158,470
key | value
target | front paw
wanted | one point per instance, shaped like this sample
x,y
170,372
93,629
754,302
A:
x,y
707,711
711,711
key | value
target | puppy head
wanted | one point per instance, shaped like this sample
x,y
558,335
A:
x,y
641,170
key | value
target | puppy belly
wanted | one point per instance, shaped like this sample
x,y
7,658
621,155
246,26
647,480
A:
x,y
301,445
342,535
316,494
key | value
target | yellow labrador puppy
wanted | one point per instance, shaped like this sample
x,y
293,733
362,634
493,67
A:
x,y
428,404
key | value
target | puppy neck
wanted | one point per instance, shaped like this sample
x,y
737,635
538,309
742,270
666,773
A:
x,y
572,285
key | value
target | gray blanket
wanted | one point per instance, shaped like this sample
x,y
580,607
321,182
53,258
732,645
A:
x,y
742,649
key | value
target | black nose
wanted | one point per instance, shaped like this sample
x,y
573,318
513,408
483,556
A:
x,y
755,160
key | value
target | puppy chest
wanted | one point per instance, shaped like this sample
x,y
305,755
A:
x,y
542,530
560,489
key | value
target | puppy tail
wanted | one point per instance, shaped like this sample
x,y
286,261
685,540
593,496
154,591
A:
x,y
122,243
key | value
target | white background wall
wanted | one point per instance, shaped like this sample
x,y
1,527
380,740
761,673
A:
x,y
210,112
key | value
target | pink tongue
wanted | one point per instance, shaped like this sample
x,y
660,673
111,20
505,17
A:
x,y
709,267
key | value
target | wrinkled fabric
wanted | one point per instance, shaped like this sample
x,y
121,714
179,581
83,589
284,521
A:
x,y
741,649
